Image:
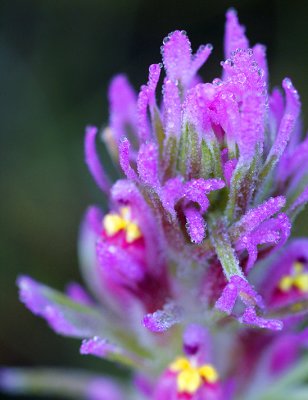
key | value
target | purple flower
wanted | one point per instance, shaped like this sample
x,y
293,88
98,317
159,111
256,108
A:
x,y
193,248
191,376
288,283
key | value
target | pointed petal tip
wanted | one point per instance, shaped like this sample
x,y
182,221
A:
x,y
92,160
95,346
195,224
162,320
231,12
292,95
250,317
176,51
124,158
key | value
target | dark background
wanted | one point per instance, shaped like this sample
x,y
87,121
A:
x,y
56,59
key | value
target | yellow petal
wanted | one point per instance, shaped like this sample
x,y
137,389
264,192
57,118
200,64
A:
x,y
286,283
179,364
113,223
189,380
132,232
301,282
209,373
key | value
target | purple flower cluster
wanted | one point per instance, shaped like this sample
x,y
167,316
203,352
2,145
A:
x,y
191,281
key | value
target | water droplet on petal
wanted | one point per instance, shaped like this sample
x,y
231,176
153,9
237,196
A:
x,y
166,39
287,82
217,82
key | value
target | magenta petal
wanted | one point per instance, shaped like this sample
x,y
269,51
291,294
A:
x,y
103,348
126,193
238,286
147,164
171,193
93,220
144,132
246,81
274,231
62,314
93,162
124,158
281,266
200,58
227,299
288,121
172,108
228,168
285,351
196,190
118,264
259,51
235,37
195,224
293,162
251,318
147,98
162,320
197,343
193,191
90,230
97,347
196,110
123,102
256,215
276,110
154,74
177,56
78,294
252,124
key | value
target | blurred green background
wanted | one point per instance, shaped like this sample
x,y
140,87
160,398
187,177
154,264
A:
x,y
56,59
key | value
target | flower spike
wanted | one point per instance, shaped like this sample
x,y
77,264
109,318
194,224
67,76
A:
x,y
234,34
193,239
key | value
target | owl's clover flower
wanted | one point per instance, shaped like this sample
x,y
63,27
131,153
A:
x,y
188,272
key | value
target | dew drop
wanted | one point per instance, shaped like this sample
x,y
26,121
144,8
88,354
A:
x,y
166,39
241,78
152,68
201,48
217,82
287,83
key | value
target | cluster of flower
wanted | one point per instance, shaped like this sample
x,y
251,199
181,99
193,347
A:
x,y
190,285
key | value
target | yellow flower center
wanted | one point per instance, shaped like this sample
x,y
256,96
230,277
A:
x,y
298,279
115,222
190,377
